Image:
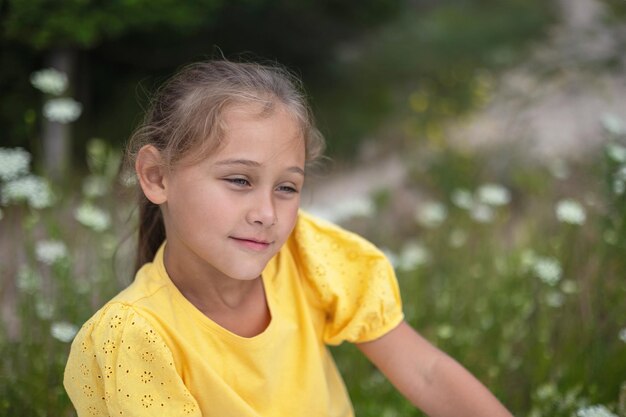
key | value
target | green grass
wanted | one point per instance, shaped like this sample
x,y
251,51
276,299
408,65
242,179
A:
x,y
533,306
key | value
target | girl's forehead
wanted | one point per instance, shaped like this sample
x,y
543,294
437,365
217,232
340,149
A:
x,y
251,128
247,131
255,121
256,111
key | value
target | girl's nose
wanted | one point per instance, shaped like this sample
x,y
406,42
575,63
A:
x,y
263,211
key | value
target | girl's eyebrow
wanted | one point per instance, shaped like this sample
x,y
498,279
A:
x,y
255,164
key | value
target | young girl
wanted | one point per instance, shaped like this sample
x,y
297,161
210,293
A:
x,y
238,292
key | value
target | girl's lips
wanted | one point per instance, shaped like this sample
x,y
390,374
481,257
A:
x,y
256,245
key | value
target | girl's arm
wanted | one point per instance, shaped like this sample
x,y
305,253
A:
x,y
430,379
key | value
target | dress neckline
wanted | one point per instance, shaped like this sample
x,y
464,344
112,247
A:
x,y
210,325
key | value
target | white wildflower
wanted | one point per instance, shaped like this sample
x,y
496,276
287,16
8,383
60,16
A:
x,y
547,270
594,411
482,213
462,198
49,81
63,331
570,211
92,217
14,163
31,188
62,110
431,214
613,124
494,195
50,251
616,152
622,335
44,310
413,255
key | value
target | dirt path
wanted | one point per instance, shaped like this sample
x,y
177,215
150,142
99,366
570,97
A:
x,y
550,106
340,192
554,104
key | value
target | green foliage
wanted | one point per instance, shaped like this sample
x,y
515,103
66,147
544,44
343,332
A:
x,y
441,60
65,260
78,23
514,269
530,296
530,300
617,9
120,43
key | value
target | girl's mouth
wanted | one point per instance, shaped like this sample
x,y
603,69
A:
x,y
253,244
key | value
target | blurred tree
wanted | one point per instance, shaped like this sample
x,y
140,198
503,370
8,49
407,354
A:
x,y
433,63
102,45
60,29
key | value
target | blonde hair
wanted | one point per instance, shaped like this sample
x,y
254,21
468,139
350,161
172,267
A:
x,y
186,114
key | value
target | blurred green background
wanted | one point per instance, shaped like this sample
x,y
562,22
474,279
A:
x,y
481,144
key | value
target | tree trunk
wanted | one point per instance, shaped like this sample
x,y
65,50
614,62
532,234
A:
x,y
57,137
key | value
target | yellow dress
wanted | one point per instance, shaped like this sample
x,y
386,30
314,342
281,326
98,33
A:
x,y
150,352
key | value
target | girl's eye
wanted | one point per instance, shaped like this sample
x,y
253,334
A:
x,y
242,182
287,189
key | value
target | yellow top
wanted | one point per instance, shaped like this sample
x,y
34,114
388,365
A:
x,y
150,352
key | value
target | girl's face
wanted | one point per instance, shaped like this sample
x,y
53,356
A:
x,y
228,215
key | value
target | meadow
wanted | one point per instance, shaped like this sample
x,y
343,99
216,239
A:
x,y
513,266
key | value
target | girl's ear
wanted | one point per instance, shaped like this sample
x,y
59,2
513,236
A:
x,y
150,172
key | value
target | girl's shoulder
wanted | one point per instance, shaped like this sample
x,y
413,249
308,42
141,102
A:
x,y
347,277
319,237
113,321
119,364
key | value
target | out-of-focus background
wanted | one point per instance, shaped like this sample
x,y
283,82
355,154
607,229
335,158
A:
x,y
480,143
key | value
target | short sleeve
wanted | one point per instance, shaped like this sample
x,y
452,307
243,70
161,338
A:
x,y
120,366
350,279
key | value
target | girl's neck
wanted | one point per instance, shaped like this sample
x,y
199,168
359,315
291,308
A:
x,y
245,315
239,306
221,296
